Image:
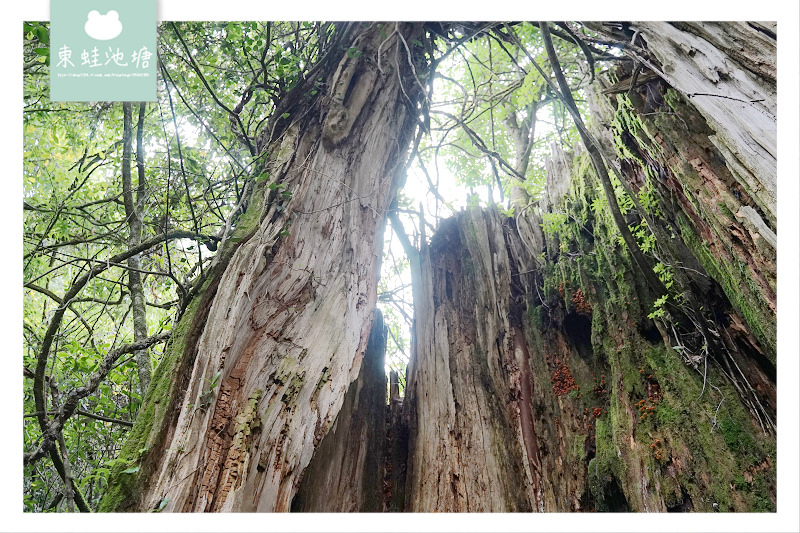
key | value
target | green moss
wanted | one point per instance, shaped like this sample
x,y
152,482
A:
x,y
573,394
249,220
287,369
739,483
670,491
535,316
605,468
249,419
737,434
707,459
667,415
761,502
733,279
323,379
725,210
149,420
577,451
627,119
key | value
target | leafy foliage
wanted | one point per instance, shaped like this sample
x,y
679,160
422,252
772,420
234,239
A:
x,y
493,117
218,83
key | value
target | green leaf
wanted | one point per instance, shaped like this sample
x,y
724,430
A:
x,y
44,51
131,470
353,52
42,35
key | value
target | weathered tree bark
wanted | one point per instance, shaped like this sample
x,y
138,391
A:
x,y
729,73
260,362
547,387
728,70
346,473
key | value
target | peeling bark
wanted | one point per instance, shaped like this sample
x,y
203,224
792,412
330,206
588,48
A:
x,y
729,72
286,318
346,473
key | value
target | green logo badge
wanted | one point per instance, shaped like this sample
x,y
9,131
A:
x,y
102,50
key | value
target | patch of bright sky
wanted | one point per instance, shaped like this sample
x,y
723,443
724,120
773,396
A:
x,y
417,190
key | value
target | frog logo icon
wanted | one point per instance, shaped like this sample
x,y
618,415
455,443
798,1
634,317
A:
x,y
103,27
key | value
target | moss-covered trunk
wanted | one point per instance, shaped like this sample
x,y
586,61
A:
x,y
261,360
546,375
551,389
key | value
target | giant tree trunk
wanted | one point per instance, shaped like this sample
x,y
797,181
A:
x,y
260,362
546,386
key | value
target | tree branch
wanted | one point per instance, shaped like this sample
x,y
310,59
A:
x,y
53,428
87,414
58,315
199,73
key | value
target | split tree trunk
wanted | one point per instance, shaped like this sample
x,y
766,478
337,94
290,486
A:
x,y
261,361
346,473
533,386
546,386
